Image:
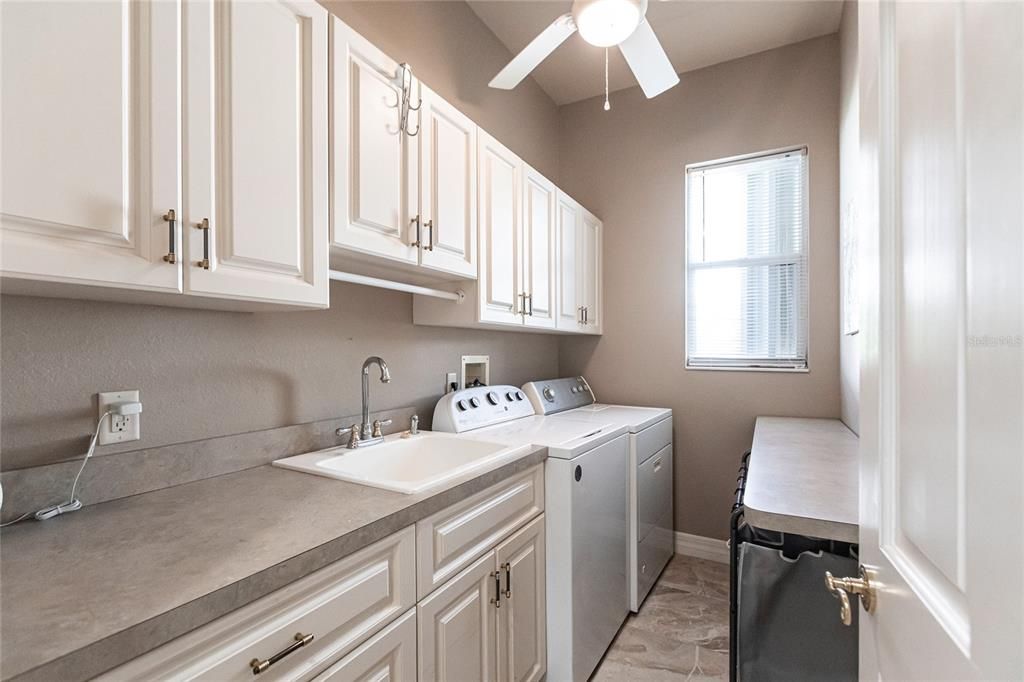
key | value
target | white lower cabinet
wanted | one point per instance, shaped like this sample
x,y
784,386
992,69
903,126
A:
x,y
388,656
358,618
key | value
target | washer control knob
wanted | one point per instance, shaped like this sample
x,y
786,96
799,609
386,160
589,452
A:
x,y
549,395
475,402
510,396
519,395
492,398
461,405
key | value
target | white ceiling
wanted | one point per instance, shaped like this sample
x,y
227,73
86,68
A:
x,y
695,33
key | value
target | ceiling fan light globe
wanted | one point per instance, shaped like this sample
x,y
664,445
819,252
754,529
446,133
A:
x,y
604,23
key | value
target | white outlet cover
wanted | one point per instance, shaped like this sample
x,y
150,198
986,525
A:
x,y
133,430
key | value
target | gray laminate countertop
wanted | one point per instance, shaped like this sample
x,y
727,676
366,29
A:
x,y
88,591
803,478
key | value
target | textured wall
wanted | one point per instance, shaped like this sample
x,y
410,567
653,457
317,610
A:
x,y
627,165
205,374
849,151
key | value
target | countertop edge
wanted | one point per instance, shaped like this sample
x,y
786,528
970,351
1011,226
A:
x,y
121,647
801,525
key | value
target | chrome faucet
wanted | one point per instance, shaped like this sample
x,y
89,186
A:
x,y
361,435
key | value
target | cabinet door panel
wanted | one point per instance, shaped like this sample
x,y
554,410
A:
x,y
256,165
591,272
500,239
456,627
371,210
539,202
448,177
522,633
90,142
569,213
388,656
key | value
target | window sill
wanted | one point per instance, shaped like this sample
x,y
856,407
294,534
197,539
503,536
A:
x,y
770,370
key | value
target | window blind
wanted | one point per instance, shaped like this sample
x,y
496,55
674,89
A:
x,y
746,264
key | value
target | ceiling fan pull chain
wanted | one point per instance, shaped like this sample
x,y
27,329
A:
x,y
607,104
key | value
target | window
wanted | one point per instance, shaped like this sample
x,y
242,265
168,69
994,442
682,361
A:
x,y
746,265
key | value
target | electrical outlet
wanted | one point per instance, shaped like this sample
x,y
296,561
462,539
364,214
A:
x,y
449,379
118,428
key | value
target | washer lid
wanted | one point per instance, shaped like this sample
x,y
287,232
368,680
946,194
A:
x,y
636,419
564,438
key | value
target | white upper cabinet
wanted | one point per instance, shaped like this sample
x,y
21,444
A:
x,y
94,204
500,284
373,183
448,157
538,252
90,123
255,152
569,311
590,270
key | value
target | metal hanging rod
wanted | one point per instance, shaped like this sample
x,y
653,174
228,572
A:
x,y
339,276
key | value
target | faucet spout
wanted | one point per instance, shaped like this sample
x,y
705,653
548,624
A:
x,y
385,377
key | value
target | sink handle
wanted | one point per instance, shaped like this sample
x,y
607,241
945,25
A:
x,y
377,424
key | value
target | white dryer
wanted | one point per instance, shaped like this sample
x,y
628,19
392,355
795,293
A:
x,y
586,512
651,519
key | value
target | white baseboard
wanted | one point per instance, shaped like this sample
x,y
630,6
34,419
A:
x,y
702,547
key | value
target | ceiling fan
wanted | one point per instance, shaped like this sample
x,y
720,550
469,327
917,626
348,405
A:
x,y
602,23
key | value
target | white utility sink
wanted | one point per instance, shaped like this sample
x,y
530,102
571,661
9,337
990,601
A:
x,y
405,465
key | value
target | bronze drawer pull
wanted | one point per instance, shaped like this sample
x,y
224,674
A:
x,y
259,666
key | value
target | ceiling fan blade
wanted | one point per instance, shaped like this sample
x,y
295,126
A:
x,y
647,58
534,53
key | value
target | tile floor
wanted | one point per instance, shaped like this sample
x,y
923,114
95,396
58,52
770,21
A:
x,y
681,632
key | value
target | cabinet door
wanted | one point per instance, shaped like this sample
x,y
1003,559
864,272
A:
x,y
569,311
456,626
500,240
90,124
522,635
255,152
590,270
447,188
539,204
372,176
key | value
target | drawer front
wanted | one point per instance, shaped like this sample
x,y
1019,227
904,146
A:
x,y
654,493
652,555
652,439
454,537
340,605
388,655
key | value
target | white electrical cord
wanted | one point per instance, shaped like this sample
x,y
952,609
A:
x,y
73,503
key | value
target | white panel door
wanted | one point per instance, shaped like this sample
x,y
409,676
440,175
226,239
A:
x,y
90,124
590,272
942,412
256,164
447,155
540,198
500,178
373,181
522,618
456,626
569,310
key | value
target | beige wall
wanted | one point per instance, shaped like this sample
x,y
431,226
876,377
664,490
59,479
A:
x,y
627,165
453,51
204,374
849,152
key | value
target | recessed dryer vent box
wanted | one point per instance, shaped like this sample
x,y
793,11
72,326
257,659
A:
x,y
476,370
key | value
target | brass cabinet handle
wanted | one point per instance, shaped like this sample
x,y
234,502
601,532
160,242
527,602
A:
x,y
841,588
579,314
171,218
497,589
508,579
417,221
430,234
259,666
530,296
205,227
